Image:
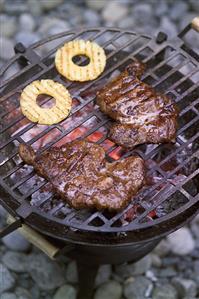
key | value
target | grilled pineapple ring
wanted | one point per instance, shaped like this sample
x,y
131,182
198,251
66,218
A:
x,y
74,72
45,116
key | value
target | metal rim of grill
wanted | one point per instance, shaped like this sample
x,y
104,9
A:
x,y
165,60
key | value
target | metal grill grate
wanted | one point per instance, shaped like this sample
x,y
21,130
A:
x,y
160,206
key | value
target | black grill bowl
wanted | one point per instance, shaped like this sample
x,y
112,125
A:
x,y
162,207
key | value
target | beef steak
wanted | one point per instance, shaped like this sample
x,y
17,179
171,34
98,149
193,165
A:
x,y
80,174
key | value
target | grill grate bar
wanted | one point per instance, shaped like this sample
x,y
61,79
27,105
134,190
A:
x,y
182,164
182,147
183,79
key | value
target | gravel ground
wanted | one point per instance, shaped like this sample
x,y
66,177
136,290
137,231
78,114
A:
x,y
171,271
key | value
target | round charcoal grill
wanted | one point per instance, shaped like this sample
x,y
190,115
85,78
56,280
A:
x,y
171,198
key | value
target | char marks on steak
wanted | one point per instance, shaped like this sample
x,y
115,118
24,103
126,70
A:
x,y
80,174
142,115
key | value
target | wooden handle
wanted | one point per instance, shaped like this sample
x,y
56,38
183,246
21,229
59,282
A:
x,y
37,239
195,23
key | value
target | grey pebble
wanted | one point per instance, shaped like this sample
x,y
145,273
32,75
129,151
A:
x,y
15,261
167,272
8,296
142,12
195,5
156,260
178,9
23,279
162,249
15,241
96,4
52,26
15,7
91,18
6,48
27,22
27,38
185,287
167,26
23,293
141,266
35,292
47,274
71,272
34,7
65,292
103,274
161,8
137,288
114,11
7,280
178,244
164,291
131,269
48,5
8,25
109,290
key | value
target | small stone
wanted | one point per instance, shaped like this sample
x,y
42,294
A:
x,y
151,275
138,268
103,274
156,260
96,4
167,26
167,272
181,241
109,290
71,272
15,261
127,22
7,25
7,281
52,26
15,241
178,10
195,5
137,288
14,7
2,3
161,8
143,12
22,293
35,292
162,249
8,296
47,274
165,291
6,48
65,292
185,287
48,5
27,38
114,11
141,266
91,18
27,22
23,279
34,7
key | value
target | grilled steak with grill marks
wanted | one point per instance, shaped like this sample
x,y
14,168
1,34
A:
x,y
142,114
80,174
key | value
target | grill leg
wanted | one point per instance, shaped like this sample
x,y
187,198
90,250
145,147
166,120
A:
x,y
87,274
